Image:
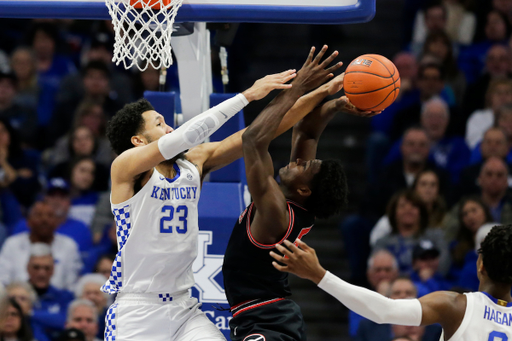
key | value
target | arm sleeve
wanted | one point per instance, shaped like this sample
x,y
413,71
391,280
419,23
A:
x,y
372,305
197,129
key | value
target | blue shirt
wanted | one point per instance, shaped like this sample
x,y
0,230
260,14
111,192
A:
x,y
50,309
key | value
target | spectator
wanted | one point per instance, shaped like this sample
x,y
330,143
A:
x,y
50,307
25,296
90,121
400,174
103,218
472,58
468,277
382,271
89,288
494,144
13,325
408,217
51,66
99,49
82,316
21,117
498,65
498,94
431,83
25,185
493,192
446,152
104,265
432,19
24,66
58,197
96,81
83,197
15,252
439,45
473,213
71,334
401,287
425,263
83,144
426,185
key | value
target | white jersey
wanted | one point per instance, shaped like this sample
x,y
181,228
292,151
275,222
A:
x,y
157,232
485,319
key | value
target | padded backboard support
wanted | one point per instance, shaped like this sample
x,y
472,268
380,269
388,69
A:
x,y
263,11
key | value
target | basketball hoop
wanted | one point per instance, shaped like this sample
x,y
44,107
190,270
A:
x,y
143,31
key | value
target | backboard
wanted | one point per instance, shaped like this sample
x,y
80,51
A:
x,y
262,11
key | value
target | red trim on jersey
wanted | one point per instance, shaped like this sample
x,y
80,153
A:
x,y
299,206
257,305
241,304
270,246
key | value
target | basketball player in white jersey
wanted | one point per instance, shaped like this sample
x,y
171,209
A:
x,y
155,191
485,315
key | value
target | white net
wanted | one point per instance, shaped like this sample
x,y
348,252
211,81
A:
x,y
143,31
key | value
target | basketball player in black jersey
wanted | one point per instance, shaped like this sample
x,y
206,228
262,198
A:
x,y
309,188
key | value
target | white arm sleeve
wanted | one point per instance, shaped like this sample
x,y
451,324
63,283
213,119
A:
x,y
372,305
197,129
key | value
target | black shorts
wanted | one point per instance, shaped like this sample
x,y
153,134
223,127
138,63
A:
x,y
280,320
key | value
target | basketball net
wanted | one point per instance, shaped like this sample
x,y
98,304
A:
x,y
143,31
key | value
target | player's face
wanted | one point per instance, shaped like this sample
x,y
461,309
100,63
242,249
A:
x,y
299,172
154,126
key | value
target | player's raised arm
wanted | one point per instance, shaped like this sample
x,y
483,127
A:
x,y
271,219
445,308
157,142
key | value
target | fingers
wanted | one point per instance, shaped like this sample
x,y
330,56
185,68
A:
x,y
284,250
310,56
334,67
292,247
277,257
280,267
329,60
303,245
320,55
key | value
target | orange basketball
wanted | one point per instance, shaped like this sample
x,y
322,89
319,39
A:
x,y
371,82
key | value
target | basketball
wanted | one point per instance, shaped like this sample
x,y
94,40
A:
x,y
371,82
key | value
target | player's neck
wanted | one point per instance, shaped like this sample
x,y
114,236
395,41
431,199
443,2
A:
x,y
293,196
499,291
166,168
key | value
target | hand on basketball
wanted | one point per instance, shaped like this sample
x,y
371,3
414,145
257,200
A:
x,y
302,262
344,104
262,87
315,73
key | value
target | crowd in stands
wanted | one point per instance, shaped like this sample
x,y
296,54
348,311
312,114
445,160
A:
x,y
438,162
438,159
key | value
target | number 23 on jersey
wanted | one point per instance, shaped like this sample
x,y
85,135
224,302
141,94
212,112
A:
x,y
174,219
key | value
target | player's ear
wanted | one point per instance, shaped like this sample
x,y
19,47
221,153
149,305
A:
x,y
304,191
138,140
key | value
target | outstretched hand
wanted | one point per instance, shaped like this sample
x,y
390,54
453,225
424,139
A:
x,y
314,73
262,87
344,104
302,261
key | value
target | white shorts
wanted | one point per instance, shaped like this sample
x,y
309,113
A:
x,y
136,317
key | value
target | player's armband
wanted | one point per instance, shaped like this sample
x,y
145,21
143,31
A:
x,y
197,129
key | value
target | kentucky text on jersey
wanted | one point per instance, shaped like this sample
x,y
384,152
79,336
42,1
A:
x,y
174,193
497,316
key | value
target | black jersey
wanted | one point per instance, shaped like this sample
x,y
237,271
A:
x,y
248,270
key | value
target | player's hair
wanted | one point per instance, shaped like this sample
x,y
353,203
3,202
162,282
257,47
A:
x,y
496,251
328,190
126,123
